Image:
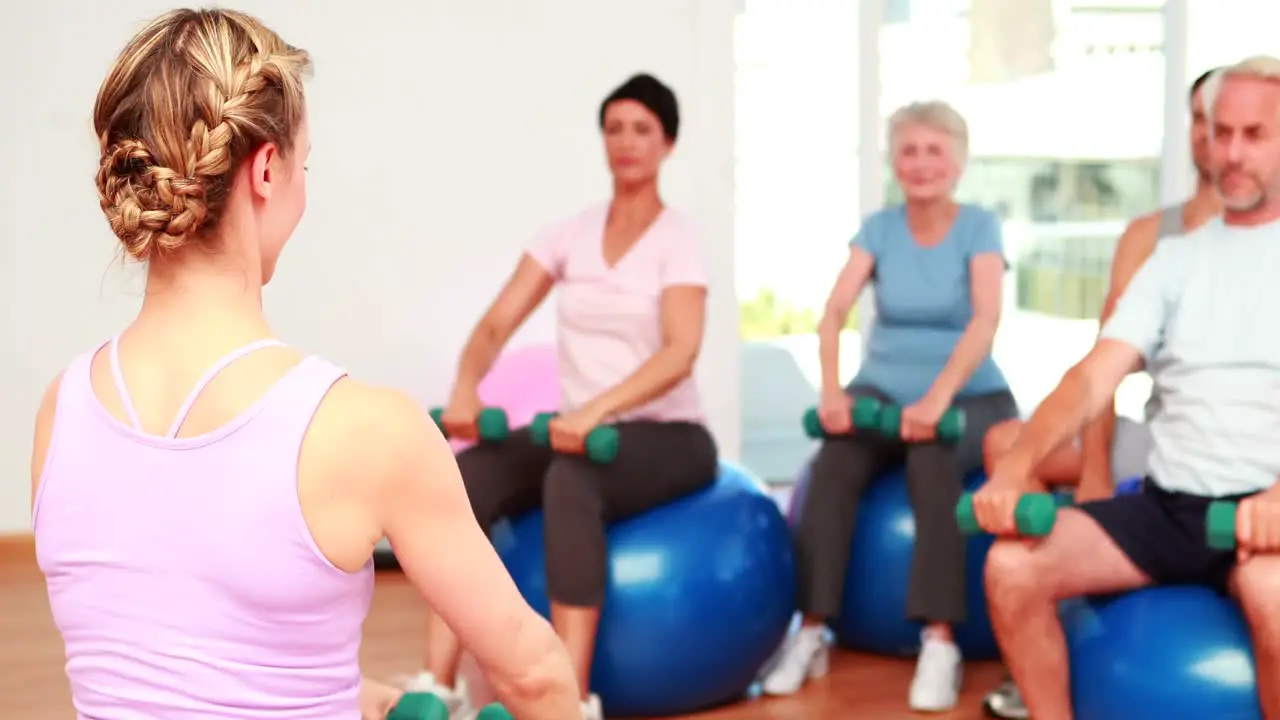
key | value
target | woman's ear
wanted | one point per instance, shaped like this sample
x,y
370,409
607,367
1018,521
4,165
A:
x,y
262,170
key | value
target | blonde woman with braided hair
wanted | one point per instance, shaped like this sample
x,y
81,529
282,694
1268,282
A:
x,y
206,499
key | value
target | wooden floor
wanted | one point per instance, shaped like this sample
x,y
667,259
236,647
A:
x,y
33,687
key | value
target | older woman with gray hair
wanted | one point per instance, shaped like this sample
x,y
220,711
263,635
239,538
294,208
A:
x,y
936,268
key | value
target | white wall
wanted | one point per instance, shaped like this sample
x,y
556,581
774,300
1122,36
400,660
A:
x,y
444,133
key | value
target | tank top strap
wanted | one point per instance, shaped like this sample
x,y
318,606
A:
x,y
300,396
204,380
117,376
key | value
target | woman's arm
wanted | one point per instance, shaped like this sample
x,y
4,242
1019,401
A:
x,y
684,312
377,699
397,457
527,287
852,279
43,435
986,288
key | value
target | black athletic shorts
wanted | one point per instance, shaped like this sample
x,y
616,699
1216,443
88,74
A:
x,y
1163,533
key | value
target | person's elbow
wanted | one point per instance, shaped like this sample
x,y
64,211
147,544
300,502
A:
x,y
985,324
1097,376
834,315
683,358
497,324
539,664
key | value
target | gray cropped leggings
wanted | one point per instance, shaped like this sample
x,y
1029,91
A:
x,y
657,462
842,471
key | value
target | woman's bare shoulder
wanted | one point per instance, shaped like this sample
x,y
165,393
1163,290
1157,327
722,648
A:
x,y
364,430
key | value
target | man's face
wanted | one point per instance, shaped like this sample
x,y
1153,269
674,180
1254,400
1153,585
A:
x,y
1245,145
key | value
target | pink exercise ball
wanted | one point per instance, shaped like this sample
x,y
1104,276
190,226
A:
x,y
524,382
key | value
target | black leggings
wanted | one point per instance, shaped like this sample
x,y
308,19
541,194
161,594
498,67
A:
x,y
657,462
842,471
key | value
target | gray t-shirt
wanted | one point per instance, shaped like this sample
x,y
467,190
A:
x,y
1169,225
1199,313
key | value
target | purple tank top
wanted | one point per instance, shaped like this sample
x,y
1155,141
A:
x,y
181,572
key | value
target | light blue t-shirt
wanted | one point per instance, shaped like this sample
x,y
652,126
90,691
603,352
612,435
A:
x,y
923,302
1201,311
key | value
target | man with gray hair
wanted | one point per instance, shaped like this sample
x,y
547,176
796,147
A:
x,y
1190,316
1114,448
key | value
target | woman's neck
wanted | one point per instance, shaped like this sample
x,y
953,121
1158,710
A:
x,y
209,296
932,209
639,204
930,220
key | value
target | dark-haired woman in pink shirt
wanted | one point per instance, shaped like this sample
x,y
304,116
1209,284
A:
x,y
630,318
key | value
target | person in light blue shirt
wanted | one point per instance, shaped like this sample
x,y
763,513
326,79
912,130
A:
x,y
1199,316
936,267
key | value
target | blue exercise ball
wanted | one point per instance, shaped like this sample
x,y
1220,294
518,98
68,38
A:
x,y
873,614
701,592
1131,486
1168,653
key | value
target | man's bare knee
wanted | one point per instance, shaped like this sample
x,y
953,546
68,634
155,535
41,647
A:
x,y
999,438
1011,574
1077,558
1256,584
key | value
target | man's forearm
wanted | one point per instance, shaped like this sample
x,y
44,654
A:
x,y
1057,420
1095,446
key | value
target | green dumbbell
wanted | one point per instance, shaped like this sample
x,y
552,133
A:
x,y
494,711
419,706
950,426
1034,516
600,445
491,423
865,415
1220,525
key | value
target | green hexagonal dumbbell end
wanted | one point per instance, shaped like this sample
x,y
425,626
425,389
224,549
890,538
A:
x,y
494,711
419,706
1220,525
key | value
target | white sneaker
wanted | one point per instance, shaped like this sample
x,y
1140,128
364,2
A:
x,y
939,671
804,656
591,709
1005,702
456,698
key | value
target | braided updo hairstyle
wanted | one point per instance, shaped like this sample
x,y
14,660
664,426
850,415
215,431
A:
x,y
189,98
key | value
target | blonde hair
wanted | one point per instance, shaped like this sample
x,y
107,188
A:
x,y
934,114
190,97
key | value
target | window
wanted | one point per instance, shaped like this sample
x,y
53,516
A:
x,y
1220,32
1048,190
1062,218
797,206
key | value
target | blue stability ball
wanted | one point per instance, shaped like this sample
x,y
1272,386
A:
x,y
700,594
1168,653
873,615
1131,486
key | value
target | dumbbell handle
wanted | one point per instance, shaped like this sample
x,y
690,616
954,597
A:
x,y
1034,516
600,445
950,426
490,424
864,414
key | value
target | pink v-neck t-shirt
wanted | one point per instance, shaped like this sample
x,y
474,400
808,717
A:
x,y
608,319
